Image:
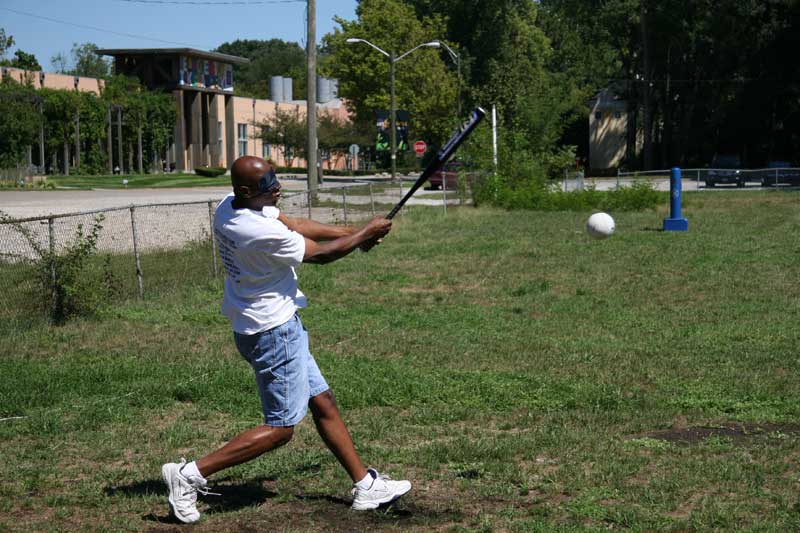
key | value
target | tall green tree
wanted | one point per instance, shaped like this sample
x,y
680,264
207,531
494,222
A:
x,y
87,63
6,42
19,121
695,86
287,129
268,58
425,84
507,61
82,61
25,61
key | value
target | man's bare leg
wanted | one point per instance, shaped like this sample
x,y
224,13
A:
x,y
331,428
244,447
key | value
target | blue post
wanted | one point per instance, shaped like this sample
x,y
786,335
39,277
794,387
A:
x,y
675,222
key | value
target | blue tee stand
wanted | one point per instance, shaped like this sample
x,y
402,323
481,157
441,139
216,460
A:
x,y
675,222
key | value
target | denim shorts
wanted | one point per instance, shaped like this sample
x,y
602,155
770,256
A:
x,y
286,373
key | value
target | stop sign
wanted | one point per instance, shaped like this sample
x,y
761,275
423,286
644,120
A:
x,y
420,147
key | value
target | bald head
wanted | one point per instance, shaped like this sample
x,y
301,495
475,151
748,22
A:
x,y
254,183
247,170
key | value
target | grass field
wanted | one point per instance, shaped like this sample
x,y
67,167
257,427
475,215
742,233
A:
x,y
523,376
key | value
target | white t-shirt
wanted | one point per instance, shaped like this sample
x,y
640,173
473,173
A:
x,y
260,254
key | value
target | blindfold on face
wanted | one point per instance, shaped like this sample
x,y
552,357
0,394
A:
x,y
268,181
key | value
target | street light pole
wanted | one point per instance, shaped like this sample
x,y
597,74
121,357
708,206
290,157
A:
x,y
455,57
393,117
392,111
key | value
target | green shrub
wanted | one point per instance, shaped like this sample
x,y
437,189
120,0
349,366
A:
x,y
210,172
73,282
532,195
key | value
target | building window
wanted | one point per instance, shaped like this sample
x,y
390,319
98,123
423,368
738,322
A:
x,y
266,150
219,137
617,114
242,139
598,115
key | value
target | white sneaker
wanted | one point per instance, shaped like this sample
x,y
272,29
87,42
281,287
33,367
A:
x,y
383,490
183,492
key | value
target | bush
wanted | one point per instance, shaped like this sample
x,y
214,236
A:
x,y
210,172
73,282
533,195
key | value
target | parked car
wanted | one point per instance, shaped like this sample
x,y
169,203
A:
x,y
725,168
780,171
447,175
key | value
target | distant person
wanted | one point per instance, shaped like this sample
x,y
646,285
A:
x,y
260,248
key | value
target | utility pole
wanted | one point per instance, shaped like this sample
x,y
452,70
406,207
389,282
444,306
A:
x,y
311,97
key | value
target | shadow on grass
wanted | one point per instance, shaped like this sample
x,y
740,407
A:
x,y
233,496
239,495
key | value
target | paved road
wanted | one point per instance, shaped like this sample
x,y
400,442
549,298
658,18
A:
x,y
37,203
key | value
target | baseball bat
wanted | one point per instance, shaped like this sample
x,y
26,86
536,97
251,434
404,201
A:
x,y
441,157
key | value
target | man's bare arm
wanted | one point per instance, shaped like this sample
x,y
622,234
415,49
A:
x,y
326,252
316,231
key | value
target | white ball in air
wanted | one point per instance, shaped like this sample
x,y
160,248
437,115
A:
x,y
600,225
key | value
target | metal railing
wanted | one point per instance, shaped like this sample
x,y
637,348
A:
x,y
710,177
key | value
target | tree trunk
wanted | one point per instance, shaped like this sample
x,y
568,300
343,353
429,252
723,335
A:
x,y
110,144
139,149
130,157
66,158
77,138
647,93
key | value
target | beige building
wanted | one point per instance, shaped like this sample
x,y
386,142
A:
x,y
213,126
608,127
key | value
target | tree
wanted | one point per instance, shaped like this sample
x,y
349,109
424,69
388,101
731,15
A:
x,y
274,57
19,121
25,61
694,85
424,84
59,63
6,42
336,135
87,63
82,61
287,129
507,61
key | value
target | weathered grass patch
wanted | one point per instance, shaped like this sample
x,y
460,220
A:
x,y
524,376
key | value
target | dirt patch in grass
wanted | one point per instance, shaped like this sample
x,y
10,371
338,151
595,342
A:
x,y
738,433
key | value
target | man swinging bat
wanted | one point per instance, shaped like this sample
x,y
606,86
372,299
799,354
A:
x,y
260,248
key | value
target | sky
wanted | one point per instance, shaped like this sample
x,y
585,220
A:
x,y
47,27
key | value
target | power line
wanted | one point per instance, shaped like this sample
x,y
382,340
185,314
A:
x,y
95,28
215,2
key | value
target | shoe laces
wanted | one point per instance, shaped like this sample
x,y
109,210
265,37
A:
x,y
199,485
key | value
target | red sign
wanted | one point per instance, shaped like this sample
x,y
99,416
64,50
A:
x,y
420,147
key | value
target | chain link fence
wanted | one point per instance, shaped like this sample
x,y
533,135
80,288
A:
x,y
142,250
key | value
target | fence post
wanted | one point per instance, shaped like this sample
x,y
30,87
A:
x,y
444,192
617,178
344,203
213,240
698,179
308,195
136,255
51,232
371,199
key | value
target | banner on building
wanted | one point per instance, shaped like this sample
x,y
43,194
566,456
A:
x,y
206,74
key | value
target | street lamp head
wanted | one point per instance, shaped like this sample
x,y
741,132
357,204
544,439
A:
x,y
352,40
